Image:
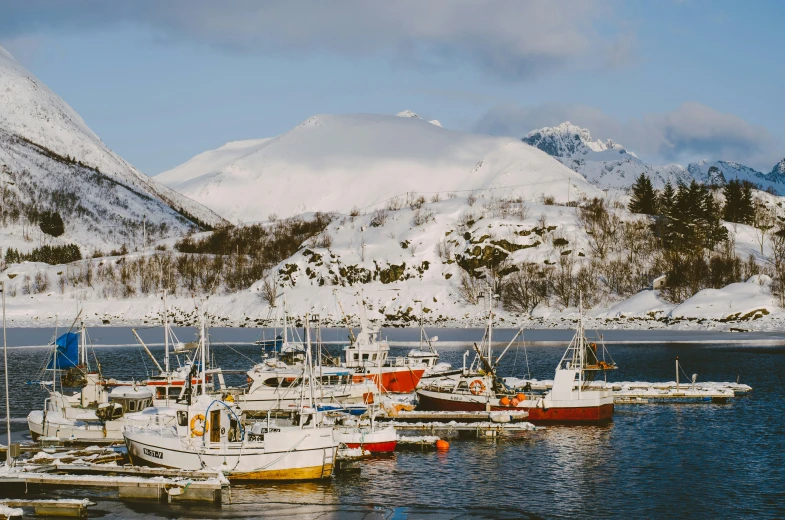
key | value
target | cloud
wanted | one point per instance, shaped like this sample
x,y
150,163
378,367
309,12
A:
x,y
512,39
689,132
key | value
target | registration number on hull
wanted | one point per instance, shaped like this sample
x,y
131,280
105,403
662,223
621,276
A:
x,y
153,453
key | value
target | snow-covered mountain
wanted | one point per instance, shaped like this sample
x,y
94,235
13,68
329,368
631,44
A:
x,y
609,165
777,174
604,163
51,160
338,162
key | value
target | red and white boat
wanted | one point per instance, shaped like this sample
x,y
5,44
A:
x,y
370,437
574,398
368,357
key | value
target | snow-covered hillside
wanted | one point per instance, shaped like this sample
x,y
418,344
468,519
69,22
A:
x,y
405,262
51,159
609,165
337,162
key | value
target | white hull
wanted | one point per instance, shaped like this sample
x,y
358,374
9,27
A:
x,y
289,454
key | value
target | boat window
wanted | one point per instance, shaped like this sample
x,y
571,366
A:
x,y
463,385
131,406
182,417
215,426
117,413
273,381
174,391
160,393
365,357
233,433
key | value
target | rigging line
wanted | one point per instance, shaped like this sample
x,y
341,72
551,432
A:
x,y
210,337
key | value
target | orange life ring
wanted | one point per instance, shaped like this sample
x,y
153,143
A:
x,y
477,387
198,431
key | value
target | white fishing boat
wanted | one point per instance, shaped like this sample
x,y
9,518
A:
x,y
277,383
208,433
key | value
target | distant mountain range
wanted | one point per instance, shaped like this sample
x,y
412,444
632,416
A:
x,y
607,164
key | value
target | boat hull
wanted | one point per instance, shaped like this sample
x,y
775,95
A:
x,y
285,455
590,411
376,441
395,380
374,447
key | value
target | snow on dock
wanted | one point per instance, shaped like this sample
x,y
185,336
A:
x,y
641,392
128,481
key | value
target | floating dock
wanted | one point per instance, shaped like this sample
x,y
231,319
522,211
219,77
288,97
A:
x,y
471,429
128,481
641,392
63,507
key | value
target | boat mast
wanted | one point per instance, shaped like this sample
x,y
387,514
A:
x,y
490,325
580,343
309,360
203,342
7,398
285,324
166,336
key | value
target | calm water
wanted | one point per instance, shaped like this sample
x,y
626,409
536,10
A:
x,y
663,460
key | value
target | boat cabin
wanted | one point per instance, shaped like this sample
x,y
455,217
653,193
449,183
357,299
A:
x,y
131,399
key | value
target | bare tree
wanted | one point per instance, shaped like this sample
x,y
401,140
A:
x,y
470,288
268,290
601,226
525,289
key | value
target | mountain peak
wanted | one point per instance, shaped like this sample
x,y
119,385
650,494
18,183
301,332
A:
x,y
566,140
779,168
408,113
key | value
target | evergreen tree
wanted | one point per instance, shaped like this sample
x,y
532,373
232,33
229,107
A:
x,y
644,198
739,205
51,223
664,226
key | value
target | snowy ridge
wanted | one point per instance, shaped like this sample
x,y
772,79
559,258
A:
x,y
30,110
604,163
609,165
376,157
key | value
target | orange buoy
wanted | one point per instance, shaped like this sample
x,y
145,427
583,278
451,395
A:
x,y
515,401
504,401
521,397
442,445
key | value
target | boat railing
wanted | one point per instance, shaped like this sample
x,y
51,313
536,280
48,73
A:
x,y
404,361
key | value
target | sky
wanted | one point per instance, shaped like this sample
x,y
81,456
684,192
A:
x,y
163,80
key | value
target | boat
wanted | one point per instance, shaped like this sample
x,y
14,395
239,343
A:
x,y
370,437
208,433
427,355
94,414
367,356
278,381
573,398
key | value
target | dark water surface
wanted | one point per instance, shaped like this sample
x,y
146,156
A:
x,y
652,461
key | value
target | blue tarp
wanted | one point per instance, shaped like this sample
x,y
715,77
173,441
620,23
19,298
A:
x,y
66,353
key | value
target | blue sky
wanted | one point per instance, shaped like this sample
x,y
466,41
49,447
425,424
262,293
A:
x,y
162,81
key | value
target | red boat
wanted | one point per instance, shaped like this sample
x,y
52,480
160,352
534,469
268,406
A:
x,y
368,438
572,399
368,356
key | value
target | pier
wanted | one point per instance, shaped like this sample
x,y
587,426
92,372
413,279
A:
x,y
128,481
63,507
